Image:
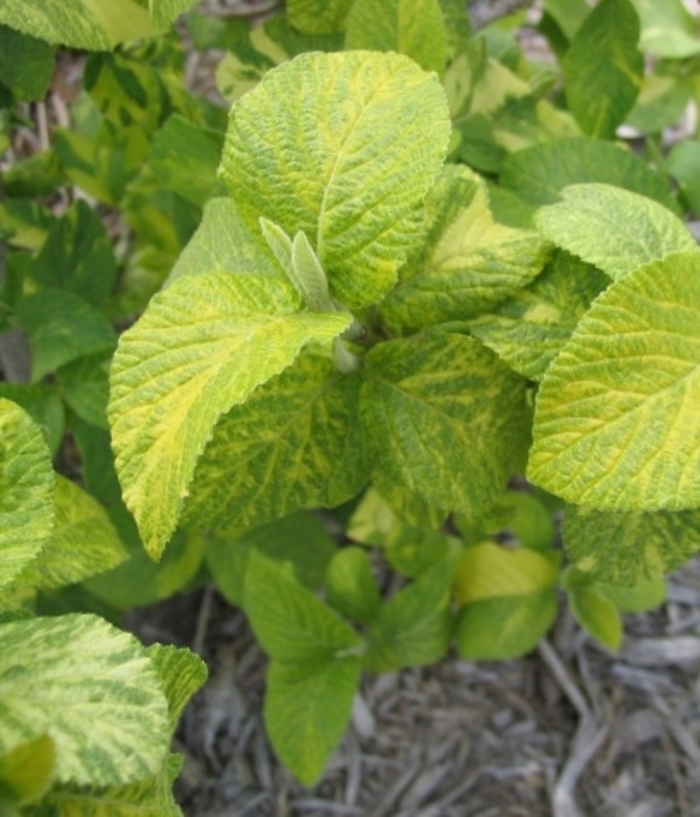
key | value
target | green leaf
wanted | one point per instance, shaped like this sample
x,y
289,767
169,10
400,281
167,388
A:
x,y
423,399
501,628
351,587
374,129
90,687
627,548
468,263
84,385
77,256
410,27
640,598
43,405
300,539
295,443
26,65
592,609
139,580
181,674
613,229
415,626
661,102
488,571
223,243
538,174
668,30
83,542
91,24
184,156
307,710
318,16
683,163
616,423
62,327
528,330
290,622
202,346
603,68
26,491
524,517
38,175
26,772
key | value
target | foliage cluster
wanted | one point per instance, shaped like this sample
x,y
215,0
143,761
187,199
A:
x,y
415,290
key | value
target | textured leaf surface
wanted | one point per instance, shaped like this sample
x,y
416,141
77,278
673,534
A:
x,y
603,68
539,173
290,622
181,674
224,243
296,443
415,626
352,143
444,418
92,689
307,710
617,424
613,229
629,547
410,27
202,346
528,330
318,16
26,65
468,262
90,24
26,491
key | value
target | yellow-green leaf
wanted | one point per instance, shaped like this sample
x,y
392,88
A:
x,y
468,262
444,418
617,421
613,229
202,346
92,689
295,443
26,491
351,143
26,772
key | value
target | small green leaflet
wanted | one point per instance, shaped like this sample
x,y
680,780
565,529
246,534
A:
x,y
629,547
26,491
26,66
617,424
292,625
415,626
603,68
528,330
668,30
443,418
315,667
352,143
91,24
307,711
350,585
410,27
593,610
202,346
613,229
468,262
295,443
89,686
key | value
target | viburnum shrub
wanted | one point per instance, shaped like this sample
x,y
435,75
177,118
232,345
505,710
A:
x,y
419,301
